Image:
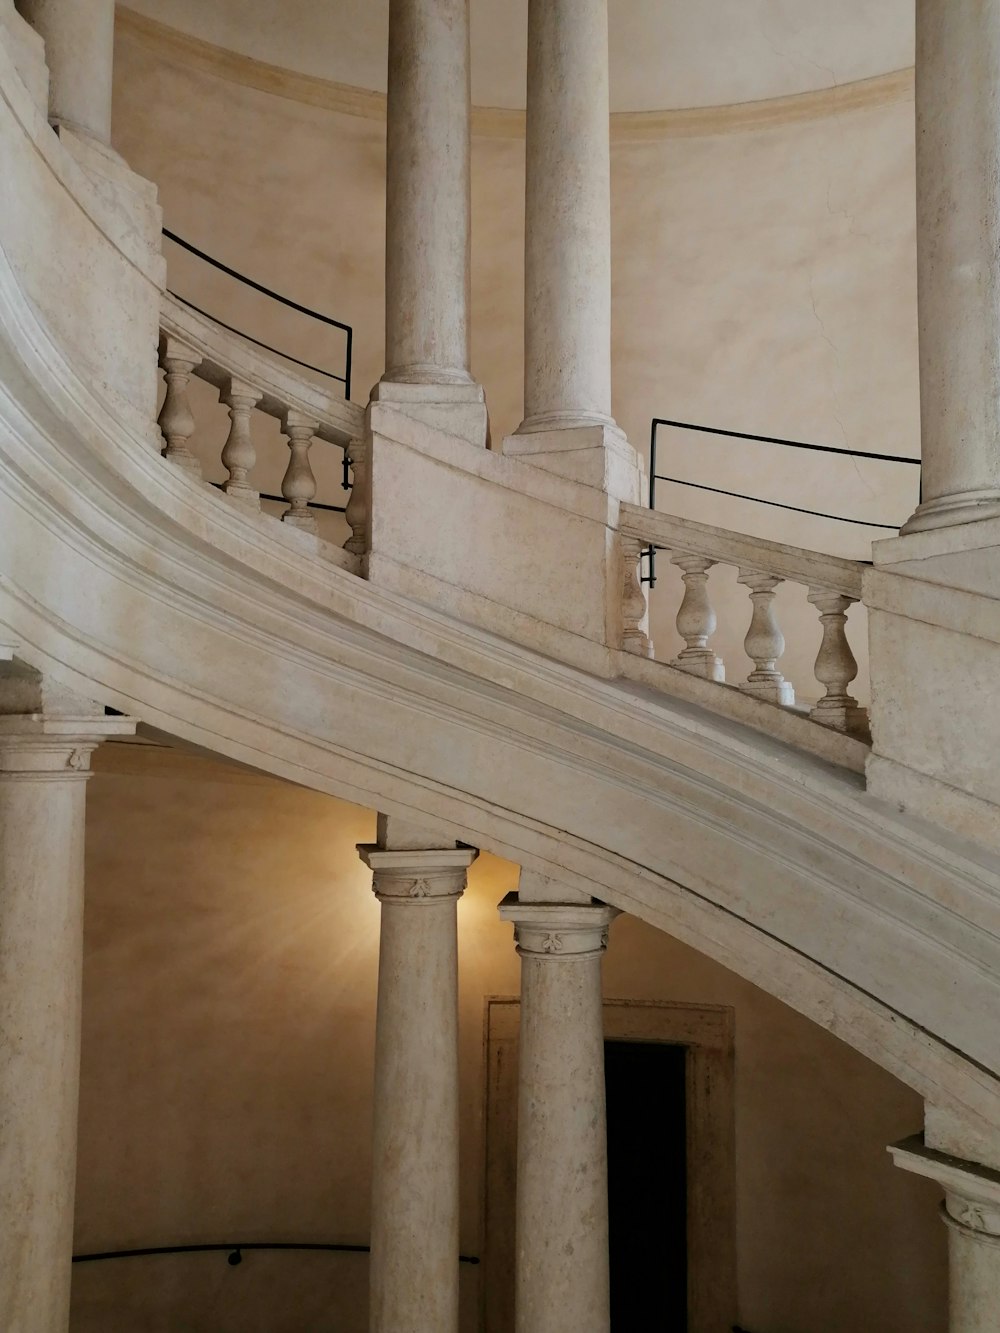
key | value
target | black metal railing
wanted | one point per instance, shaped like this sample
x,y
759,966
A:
x,y
234,1250
313,504
655,476
344,378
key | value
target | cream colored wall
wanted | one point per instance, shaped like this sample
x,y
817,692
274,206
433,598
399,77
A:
x,y
230,978
763,281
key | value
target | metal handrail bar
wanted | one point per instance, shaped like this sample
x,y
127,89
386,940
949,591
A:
x,y
776,504
280,499
762,439
345,379
235,1249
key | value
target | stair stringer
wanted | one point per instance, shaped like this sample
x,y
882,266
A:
x,y
129,581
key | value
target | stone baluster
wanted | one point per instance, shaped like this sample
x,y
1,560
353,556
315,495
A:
x,y
696,619
764,642
836,666
176,420
356,512
634,607
238,454
298,486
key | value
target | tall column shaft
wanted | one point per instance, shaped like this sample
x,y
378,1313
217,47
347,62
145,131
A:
x,y
567,257
43,770
971,1210
415,1166
79,51
562,1186
427,193
958,259
973,1273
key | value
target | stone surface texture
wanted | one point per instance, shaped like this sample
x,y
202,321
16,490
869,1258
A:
x,y
79,47
415,1179
562,1193
44,765
958,239
971,1211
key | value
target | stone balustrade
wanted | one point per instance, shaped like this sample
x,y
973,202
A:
x,y
250,380
833,584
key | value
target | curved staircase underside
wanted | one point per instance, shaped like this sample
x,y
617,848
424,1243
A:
x,y
135,584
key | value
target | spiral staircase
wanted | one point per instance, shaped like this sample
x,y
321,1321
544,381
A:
x,y
507,708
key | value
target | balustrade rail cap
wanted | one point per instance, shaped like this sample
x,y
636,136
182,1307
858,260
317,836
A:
x,y
683,535
226,355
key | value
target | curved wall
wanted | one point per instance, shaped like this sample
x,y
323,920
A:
x,y
763,277
230,979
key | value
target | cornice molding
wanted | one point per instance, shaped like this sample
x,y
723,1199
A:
x,y
490,122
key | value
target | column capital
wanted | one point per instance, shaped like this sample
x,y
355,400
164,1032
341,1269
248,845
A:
x,y
558,930
972,1191
35,746
417,876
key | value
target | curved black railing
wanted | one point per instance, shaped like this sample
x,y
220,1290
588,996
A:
x,y
655,476
234,1250
313,504
344,378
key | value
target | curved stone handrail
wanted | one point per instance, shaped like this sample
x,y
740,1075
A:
x,y
226,355
834,586
133,584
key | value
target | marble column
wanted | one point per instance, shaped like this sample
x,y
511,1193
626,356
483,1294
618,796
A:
x,y
958,259
562,1186
971,1210
568,426
44,765
79,51
415,1166
428,218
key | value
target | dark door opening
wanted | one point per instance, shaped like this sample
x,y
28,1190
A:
x,y
647,1185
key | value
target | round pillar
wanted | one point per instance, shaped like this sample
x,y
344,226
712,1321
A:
x,y
973,1264
427,193
958,259
567,256
415,1166
44,766
562,1283
971,1210
79,51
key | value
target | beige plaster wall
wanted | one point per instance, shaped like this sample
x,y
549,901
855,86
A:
x,y
230,978
763,281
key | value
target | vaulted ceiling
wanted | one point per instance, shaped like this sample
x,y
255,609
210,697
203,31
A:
x,y
664,53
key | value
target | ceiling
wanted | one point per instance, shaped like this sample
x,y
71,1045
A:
x,y
665,54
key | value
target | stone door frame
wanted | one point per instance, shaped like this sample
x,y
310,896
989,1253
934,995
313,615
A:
x,y
706,1031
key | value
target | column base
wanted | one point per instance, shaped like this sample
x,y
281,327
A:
x,y
597,454
458,409
949,510
701,662
773,692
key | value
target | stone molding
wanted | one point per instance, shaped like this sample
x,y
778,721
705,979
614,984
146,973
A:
x,y
972,1191
562,931
417,878
492,122
39,749
773,864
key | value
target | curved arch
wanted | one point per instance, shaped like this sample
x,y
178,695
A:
x,y
130,581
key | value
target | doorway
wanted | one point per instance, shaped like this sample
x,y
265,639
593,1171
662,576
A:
x,y
646,1086
669,1074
